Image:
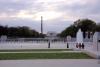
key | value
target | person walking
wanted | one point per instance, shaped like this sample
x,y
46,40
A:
x,y
82,45
49,44
67,45
79,45
76,45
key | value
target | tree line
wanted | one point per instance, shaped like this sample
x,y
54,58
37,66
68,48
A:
x,y
15,32
86,25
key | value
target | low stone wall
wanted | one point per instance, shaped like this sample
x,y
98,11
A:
x,y
99,46
91,54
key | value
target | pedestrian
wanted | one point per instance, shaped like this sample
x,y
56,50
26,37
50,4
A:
x,y
79,45
49,44
76,45
67,45
82,45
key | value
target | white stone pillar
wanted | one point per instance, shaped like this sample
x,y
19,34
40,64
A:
x,y
95,41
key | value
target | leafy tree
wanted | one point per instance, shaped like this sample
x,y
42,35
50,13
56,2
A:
x,y
12,32
71,30
3,30
84,24
98,27
18,32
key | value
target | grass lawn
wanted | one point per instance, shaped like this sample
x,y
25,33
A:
x,y
22,50
16,56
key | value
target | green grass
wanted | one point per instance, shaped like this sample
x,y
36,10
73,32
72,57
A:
x,y
16,56
22,50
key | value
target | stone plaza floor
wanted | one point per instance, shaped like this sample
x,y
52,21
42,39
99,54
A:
x,y
51,63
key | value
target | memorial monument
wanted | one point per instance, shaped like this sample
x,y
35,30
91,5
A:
x,y
3,38
96,41
79,37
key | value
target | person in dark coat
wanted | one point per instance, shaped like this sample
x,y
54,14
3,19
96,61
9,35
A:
x,y
82,45
76,45
79,45
67,45
49,44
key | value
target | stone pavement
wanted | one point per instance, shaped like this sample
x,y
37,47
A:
x,y
44,52
50,63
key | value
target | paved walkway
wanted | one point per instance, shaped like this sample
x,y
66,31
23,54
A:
x,y
50,63
44,52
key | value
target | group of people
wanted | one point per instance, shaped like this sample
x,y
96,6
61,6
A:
x,y
80,45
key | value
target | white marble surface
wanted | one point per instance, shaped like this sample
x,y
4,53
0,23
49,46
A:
x,y
79,36
34,45
39,45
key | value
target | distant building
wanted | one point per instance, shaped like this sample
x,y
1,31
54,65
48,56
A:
x,y
52,35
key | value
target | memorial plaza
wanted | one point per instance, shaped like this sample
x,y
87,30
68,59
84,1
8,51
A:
x,y
50,45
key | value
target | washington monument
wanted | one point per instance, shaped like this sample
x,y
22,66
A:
x,y
41,25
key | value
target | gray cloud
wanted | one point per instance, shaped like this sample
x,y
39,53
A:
x,y
72,10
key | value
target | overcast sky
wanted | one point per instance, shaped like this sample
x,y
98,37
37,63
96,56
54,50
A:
x,y
57,14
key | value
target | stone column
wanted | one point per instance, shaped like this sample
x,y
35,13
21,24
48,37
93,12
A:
x,y
95,41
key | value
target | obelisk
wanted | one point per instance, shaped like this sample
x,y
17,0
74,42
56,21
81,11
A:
x,y
41,26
